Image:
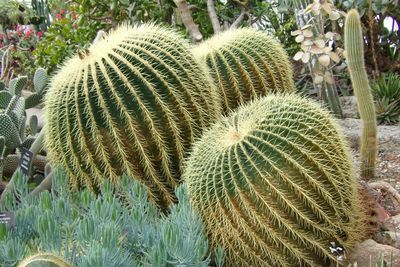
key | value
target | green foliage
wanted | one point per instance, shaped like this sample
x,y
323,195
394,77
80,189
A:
x,y
274,184
245,64
63,39
133,102
118,227
76,23
11,13
386,92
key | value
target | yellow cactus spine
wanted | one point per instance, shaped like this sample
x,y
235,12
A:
x,y
274,184
354,45
245,64
132,103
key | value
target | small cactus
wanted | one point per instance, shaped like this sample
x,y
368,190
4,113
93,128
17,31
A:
x,y
44,260
354,45
133,102
274,184
245,63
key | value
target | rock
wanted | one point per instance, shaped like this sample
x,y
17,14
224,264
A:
x,y
392,224
370,250
349,106
389,238
388,135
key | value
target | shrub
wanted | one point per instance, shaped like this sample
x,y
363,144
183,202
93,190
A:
x,y
118,227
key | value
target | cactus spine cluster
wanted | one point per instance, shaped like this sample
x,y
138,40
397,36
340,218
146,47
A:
x,y
132,103
44,260
354,45
274,184
245,63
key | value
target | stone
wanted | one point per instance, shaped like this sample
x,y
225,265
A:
x,y
370,251
349,107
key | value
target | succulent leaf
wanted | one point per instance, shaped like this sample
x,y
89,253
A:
x,y
17,84
9,131
5,98
33,100
33,124
274,184
40,80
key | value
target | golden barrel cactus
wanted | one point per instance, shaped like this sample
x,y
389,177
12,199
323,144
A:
x,y
132,103
274,185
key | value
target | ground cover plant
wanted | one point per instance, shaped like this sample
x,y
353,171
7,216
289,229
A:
x,y
119,227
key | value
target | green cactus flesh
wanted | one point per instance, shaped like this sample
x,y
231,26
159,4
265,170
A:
x,y
245,63
274,184
133,103
354,45
44,260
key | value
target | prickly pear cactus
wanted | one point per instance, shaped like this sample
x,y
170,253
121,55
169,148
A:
x,y
274,184
40,80
44,260
245,63
133,102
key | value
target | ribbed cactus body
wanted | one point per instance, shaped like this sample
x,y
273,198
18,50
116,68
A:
x,y
245,63
133,103
354,45
274,184
44,260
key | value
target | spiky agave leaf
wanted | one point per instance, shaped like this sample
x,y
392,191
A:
x,y
245,64
274,184
133,102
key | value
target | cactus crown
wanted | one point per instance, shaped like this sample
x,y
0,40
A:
x,y
274,184
134,102
245,63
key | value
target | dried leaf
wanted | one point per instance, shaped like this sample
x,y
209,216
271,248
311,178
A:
x,y
305,57
296,32
298,55
308,33
299,38
335,57
320,43
318,79
324,60
327,49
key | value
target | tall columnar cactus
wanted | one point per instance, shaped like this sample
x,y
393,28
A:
x,y
354,45
245,63
132,103
44,260
274,184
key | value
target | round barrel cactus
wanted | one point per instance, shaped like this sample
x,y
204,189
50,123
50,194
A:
x,y
245,63
275,186
132,103
44,260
